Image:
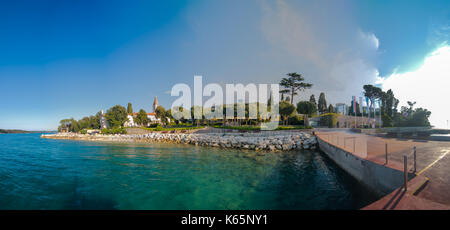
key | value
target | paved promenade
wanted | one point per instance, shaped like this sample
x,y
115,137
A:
x,y
432,166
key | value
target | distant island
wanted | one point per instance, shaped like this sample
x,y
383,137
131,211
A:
x,y
20,131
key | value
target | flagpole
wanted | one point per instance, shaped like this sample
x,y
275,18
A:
x,y
354,109
360,107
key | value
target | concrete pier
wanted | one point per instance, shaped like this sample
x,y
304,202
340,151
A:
x,y
365,158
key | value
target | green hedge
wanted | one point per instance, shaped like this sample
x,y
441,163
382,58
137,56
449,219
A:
x,y
256,128
296,120
160,128
328,119
114,131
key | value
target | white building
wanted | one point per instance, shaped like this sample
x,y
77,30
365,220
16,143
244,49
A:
x,y
103,122
341,108
151,117
131,120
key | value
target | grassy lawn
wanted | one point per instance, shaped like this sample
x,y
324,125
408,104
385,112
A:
x,y
159,128
255,128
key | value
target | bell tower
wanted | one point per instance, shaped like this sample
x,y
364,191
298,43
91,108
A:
x,y
155,104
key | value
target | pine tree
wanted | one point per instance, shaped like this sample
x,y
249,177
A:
x,y
322,106
294,83
129,108
312,99
331,108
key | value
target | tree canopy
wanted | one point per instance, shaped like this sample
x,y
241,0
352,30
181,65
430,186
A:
x,y
331,108
312,99
116,116
292,84
142,118
161,113
306,107
322,105
407,117
373,93
129,108
286,109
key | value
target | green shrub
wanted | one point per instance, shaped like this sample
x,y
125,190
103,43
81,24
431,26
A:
x,y
84,131
293,127
295,120
328,119
257,127
117,130
387,121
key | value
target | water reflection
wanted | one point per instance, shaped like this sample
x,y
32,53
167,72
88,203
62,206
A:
x,y
53,174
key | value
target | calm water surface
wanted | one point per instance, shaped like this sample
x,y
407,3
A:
x,y
40,173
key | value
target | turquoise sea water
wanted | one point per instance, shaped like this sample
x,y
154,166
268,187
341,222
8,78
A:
x,y
40,173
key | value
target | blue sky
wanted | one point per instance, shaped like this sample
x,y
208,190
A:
x,y
61,59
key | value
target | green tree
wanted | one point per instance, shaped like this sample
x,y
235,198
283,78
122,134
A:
x,y
116,116
312,99
283,91
129,108
373,93
161,114
84,123
322,105
94,122
331,108
329,120
387,120
65,124
411,106
420,117
350,110
75,127
307,108
269,102
142,118
390,103
286,109
98,116
197,111
293,84
169,114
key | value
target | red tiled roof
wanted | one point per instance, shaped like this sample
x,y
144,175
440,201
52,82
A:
x,y
134,114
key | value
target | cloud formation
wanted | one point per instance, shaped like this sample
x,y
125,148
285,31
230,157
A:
x,y
327,48
428,86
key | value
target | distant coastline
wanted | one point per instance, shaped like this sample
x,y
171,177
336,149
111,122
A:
x,y
21,131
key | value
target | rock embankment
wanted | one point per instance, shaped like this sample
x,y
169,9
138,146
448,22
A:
x,y
279,142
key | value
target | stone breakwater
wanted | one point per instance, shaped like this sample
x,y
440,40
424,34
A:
x,y
278,141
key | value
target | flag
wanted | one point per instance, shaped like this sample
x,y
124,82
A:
x,y
360,105
367,102
354,104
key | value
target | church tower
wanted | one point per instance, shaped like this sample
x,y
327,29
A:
x,y
155,104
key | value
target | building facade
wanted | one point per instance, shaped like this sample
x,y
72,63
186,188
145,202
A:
x,y
151,117
341,108
132,117
103,122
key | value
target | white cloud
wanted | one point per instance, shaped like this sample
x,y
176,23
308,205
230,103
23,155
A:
x,y
429,86
371,39
335,55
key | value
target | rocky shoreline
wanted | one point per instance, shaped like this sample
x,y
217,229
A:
x,y
249,141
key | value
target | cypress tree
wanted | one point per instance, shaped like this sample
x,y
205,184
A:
x,y
129,108
322,106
